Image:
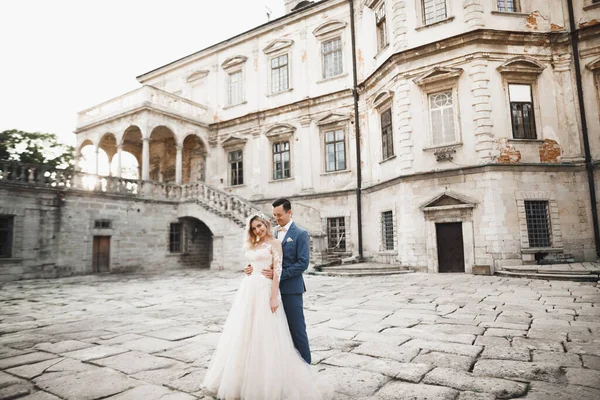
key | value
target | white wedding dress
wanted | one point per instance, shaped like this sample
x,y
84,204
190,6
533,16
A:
x,y
256,358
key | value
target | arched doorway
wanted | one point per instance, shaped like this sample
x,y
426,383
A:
x,y
163,154
194,160
195,242
132,143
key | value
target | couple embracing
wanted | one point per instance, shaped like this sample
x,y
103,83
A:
x,y
263,353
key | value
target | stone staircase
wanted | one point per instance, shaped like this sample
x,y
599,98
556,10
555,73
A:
x,y
360,269
577,272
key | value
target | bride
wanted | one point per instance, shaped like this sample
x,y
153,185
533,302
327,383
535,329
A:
x,y
256,358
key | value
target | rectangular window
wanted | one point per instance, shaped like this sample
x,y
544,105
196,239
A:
x,y
434,11
235,93
508,5
6,235
281,160
175,238
279,74
387,136
441,114
336,233
236,168
387,230
332,58
521,111
335,151
382,39
538,223
102,224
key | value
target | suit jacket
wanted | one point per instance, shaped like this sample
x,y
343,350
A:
x,y
296,256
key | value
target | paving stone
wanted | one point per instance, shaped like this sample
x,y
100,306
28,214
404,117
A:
x,y
162,376
492,341
505,325
119,339
537,344
15,391
318,356
547,334
412,372
95,352
520,370
150,345
188,353
549,391
592,349
30,371
40,395
476,396
30,358
88,385
410,391
380,338
424,334
6,352
398,353
504,332
562,359
506,353
70,366
152,393
176,333
583,377
451,328
62,347
461,380
352,382
454,348
347,360
592,362
446,360
134,361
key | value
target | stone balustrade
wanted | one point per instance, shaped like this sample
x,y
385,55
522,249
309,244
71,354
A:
x,y
215,200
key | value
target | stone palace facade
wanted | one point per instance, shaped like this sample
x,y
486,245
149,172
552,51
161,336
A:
x,y
435,134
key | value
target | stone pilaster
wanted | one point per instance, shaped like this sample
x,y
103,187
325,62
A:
x,y
402,99
567,109
399,25
474,14
482,108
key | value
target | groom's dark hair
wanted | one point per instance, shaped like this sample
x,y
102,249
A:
x,y
282,201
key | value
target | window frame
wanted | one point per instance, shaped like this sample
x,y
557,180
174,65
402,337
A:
x,y
287,69
390,134
516,3
385,234
336,229
178,234
455,117
423,18
230,99
10,235
530,229
323,42
335,129
239,170
532,127
289,151
381,27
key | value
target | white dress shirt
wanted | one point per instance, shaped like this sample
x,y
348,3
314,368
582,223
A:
x,y
281,234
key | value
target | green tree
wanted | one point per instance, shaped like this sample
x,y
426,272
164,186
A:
x,y
35,148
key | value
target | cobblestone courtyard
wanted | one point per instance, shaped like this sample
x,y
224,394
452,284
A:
x,y
416,336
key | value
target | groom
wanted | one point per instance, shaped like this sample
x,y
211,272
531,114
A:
x,y
296,255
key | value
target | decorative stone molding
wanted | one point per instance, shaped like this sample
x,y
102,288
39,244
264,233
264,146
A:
x,y
333,118
448,201
594,65
383,98
305,120
561,62
399,30
474,13
372,3
438,75
402,108
328,28
279,132
197,75
522,66
444,154
482,108
233,62
278,45
233,143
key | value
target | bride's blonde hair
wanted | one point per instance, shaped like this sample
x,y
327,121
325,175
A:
x,y
251,238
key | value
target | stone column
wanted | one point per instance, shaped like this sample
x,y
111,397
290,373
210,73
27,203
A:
x,y
97,163
119,152
178,166
566,102
146,159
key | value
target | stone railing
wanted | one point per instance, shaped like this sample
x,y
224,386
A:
x,y
213,200
145,96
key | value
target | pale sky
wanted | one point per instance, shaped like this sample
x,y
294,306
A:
x,y
58,57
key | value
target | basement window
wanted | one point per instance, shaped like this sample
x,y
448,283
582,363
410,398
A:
x,y
103,224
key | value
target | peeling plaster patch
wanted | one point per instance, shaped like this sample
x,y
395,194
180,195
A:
x,y
303,56
554,28
589,23
550,151
537,22
361,60
508,154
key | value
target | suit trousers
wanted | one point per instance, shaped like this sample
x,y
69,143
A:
x,y
294,311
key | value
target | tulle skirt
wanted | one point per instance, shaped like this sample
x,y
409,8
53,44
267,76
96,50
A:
x,y
256,358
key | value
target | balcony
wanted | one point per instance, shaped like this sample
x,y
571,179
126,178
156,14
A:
x,y
144,98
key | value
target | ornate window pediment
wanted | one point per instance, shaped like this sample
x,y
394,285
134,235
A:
x,y
333,118
383,98
277,45
197,75
233,62
280,131
233,142
372,3
521,66
438,75
329,27
448,201
594,65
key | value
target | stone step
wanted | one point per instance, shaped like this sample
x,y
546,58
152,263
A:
x,y
550,271
360,267
358,273
558,277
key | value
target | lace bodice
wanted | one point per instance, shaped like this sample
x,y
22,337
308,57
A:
x,y
264,255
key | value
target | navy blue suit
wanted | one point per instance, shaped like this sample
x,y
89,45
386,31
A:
x,y
296,255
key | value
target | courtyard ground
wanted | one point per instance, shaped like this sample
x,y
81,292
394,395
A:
x,y
415,336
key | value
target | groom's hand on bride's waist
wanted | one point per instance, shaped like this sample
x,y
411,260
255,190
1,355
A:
x,y
248,270
268,272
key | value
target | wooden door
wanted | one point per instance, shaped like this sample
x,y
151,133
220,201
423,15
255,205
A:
x,y
451,253
101,254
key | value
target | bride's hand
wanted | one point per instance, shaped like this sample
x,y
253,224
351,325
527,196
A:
x,y
274,303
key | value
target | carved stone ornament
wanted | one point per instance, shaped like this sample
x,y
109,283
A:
x,y
444,154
